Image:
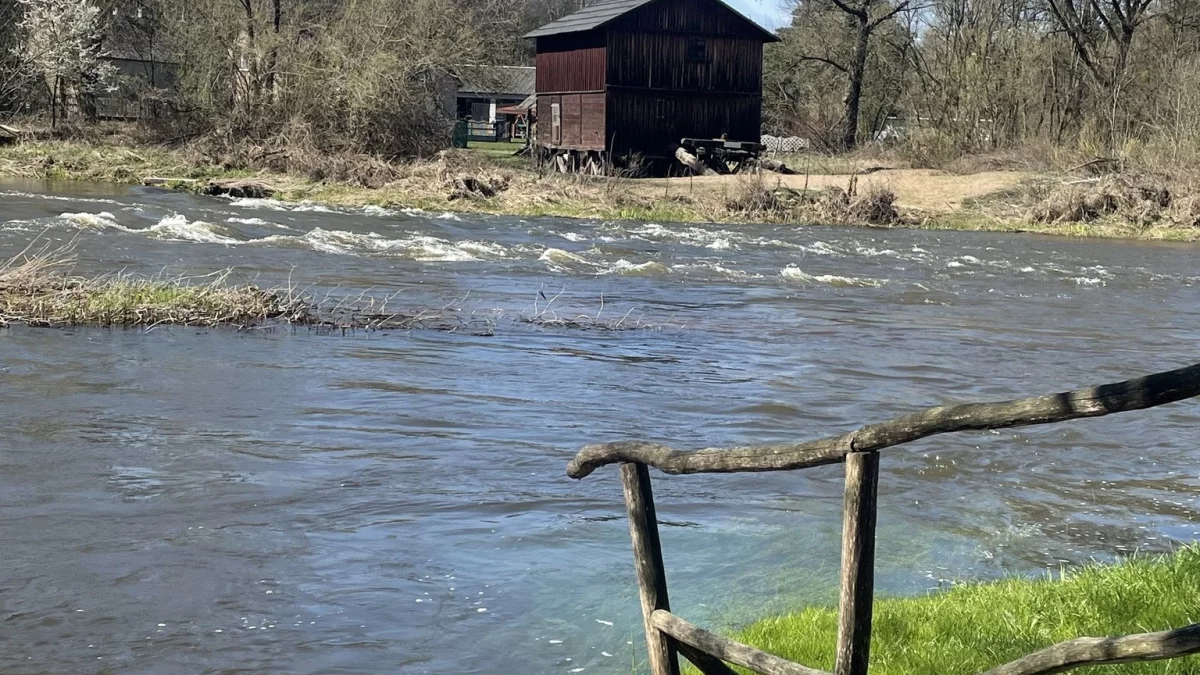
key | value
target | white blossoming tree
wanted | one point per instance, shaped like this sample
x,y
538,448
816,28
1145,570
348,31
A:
x,y
61,43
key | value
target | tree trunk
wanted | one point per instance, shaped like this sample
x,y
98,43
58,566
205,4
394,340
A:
x,y
858,67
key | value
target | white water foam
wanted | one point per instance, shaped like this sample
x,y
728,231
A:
x,y
97,221
629,269
819,248
569,236
793,273
418,248
256,221
58,198
716,269
378,211
179,228
872,252
561,259
1088,281
277,205
695,236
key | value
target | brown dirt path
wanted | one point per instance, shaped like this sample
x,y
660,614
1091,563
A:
x,y
919,189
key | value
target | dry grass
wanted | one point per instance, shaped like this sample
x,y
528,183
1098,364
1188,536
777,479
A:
x,y
37,288
756,199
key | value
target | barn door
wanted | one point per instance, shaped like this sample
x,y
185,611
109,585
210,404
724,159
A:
x,y
555,123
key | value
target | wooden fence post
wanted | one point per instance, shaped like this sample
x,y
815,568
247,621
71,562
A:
x,y
647,559
858,563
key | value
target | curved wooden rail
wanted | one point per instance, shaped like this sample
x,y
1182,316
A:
x,y
1080,652
707,642
1136,394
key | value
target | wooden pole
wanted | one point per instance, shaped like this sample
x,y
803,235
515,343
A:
x,y
858,563
647,559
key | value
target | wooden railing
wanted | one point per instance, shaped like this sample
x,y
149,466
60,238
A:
x,y
668,636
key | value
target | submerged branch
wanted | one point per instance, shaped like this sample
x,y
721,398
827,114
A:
x,y
1105,399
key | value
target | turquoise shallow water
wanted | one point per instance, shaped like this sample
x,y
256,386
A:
x,y
208,501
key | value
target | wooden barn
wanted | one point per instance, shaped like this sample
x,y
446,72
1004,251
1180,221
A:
x,y
625,77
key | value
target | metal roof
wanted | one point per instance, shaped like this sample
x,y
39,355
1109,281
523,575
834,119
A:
x,y
602,12
593,16
499,80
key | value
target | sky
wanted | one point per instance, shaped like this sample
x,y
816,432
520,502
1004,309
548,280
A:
x,y
769,13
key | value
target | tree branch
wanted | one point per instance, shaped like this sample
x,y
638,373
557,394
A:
x,y
1135,394
899,8
860,12
830,62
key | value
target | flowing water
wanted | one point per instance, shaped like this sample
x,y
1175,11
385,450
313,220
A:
x,y
187,500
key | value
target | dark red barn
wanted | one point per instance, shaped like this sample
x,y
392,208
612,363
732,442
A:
x,y
640,76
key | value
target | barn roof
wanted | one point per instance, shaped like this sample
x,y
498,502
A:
x,y
602,12
504,80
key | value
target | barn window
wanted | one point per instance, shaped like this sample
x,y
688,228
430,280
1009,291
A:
x,y
555,123
696,49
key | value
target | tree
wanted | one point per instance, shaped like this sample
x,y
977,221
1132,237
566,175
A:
x,y
837,35
848,52
12,76
61,42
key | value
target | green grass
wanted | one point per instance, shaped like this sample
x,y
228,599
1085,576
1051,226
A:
x,y
973,627
501,153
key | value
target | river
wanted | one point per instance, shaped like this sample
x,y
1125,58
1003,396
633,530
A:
x,y
190,500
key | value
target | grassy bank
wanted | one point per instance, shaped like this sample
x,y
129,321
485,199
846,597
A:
x,y
488,179
37,288
973,627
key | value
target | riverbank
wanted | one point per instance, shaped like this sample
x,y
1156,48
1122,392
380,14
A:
x,y
973,627
485,180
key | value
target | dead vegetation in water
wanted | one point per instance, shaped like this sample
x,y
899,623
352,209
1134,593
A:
x,y
545,316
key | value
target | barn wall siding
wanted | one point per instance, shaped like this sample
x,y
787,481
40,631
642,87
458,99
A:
x,y
582,115
659,61
572,71
653,122
638,85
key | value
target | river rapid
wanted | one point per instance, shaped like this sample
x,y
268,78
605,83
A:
x,y
215,501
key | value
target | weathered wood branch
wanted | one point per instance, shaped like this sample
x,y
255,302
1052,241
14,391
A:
x,y
726,649
1081,652
858,563
648,562
693,162
704,662
1106,399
